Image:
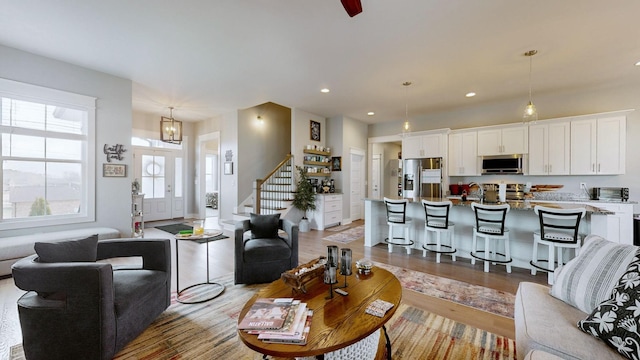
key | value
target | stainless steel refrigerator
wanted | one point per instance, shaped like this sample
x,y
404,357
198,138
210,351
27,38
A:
x,y
422,178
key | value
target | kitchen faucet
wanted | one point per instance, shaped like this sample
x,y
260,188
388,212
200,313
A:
x,y
480,188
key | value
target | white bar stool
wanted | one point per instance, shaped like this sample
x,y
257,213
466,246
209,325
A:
x,y
558,229
490,225
437,221
397,218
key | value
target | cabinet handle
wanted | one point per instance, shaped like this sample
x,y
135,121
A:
x,y
550,169
593,167
598,167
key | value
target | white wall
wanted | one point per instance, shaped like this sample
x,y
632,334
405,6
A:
x,y
113,126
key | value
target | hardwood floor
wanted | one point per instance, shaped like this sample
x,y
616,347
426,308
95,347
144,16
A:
x,y
312,245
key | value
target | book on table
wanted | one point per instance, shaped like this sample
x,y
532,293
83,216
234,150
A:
x,y
298,339
266,314
378,307
295,317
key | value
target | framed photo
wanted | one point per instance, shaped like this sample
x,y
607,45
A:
x,y
336,163
114,170
228,167
314,129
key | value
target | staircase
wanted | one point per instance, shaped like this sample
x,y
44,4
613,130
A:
x,y
273,194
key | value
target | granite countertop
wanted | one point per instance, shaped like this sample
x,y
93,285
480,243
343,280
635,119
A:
x,y
522,205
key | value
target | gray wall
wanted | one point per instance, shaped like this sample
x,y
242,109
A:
x,y
113,126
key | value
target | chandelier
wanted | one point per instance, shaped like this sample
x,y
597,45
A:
x,y
170,129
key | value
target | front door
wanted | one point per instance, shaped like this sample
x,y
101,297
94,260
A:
x,y
160,176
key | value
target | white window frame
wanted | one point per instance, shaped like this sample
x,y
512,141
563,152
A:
x,y
33,93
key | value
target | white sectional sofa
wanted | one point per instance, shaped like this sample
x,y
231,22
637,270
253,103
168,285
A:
x,y
17,247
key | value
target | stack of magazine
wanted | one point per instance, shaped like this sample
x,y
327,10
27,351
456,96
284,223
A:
x,y
278,320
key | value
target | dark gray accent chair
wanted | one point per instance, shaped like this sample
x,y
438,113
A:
x,y
91,310
261,257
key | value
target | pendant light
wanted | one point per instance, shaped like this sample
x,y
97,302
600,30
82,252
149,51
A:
x,y
170,129
530,112
406,126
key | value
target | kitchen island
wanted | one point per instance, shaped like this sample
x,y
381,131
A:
x,y
613,221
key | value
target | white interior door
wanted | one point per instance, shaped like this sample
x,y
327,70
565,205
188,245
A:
x,y
160,175
357,184
376,176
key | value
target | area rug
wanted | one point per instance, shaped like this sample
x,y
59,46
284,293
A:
x,y
174,228
208,331
479,297
347,236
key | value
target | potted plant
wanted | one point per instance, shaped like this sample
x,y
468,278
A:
x,y
304,198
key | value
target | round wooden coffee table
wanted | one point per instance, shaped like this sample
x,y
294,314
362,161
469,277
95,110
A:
x,y
337,322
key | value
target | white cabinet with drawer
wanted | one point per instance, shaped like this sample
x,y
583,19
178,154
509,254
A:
x,y
328,211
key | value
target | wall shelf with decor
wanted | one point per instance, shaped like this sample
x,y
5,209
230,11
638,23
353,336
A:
x,y
317,163
137,218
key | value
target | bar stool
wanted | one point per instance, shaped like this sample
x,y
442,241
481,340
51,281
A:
x,y
397,218
558,229
437,221
490,220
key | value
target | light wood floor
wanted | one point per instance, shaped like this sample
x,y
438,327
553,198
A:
x,y
193,269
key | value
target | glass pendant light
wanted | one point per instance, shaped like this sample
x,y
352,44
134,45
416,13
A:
x,y
530,112
406,126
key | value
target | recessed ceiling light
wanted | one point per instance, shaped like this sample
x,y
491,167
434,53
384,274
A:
x,y
470,94
325,90
638,63
371,113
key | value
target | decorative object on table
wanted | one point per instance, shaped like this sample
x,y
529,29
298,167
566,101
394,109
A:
x,y
198,227
114,152
314,130
170,129
300,276
135,187
364,266
378,307
332,186
336,163
304,198
345,264
114,170
331,267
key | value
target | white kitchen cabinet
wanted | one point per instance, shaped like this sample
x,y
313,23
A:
x,y
503,140
617,227
598,145
328,211
463,154
417,146
549,148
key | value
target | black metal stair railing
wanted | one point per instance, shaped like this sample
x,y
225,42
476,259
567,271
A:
x,y
273,193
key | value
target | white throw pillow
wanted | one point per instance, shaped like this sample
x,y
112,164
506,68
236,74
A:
x,y
587,280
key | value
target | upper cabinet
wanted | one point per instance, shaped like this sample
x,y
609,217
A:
x,y
417,146
598,145
463,153
503,140
549,148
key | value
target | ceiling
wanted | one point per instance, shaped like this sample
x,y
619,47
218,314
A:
x,y
208,58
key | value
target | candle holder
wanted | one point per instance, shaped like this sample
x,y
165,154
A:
x,y
331,268
345,265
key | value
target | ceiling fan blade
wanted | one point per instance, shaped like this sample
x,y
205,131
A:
x,y
353,7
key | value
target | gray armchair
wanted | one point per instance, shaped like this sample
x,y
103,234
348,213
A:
x,y
260,255
89,310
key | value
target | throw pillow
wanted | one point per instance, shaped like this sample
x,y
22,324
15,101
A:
x,y
615,321
587,280
264,226
68,251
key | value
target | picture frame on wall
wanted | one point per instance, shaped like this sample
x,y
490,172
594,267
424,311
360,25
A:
x,y
114,170
336,163
314,130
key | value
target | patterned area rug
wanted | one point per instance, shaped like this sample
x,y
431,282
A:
x,y
347,236
208,331
479,297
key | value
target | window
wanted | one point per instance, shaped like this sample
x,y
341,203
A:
x,y
48,167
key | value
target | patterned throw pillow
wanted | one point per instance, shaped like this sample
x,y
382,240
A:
x,y
586,280
616,321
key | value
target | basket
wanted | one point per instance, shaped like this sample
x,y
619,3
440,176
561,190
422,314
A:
x,y
297,279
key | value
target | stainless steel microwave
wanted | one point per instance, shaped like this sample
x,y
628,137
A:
x,y
502,164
